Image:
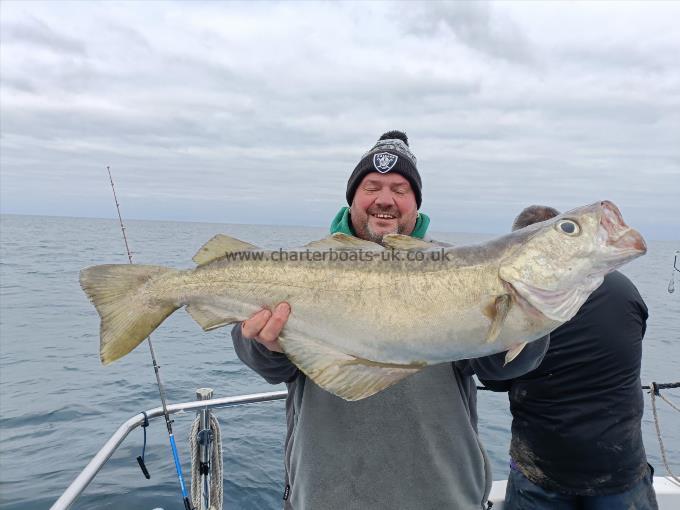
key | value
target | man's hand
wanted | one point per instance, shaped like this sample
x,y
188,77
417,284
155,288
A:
x,y
264,326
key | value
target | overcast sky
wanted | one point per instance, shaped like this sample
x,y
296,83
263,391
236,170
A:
x,y
258,112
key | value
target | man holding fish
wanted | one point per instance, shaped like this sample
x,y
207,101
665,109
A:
x,y
414,445
407,331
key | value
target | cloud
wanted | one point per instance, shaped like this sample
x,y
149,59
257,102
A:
x,y
37,33
257,112
474,24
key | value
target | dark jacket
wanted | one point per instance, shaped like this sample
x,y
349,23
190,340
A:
x,y
576,418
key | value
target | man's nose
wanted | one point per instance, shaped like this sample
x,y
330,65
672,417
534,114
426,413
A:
x,y
384,197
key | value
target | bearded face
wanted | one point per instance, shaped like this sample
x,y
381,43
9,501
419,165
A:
x,y
383,204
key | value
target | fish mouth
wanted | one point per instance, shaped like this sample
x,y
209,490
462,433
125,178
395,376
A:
x,y
625,240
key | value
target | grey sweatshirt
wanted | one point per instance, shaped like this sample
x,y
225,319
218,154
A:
x,y
413,445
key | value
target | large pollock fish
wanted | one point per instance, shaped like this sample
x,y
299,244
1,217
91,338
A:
x,y
365,316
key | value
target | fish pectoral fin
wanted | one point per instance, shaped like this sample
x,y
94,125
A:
x,y
497,312
218,247
346,376
402,242
513,352
208,317
340,241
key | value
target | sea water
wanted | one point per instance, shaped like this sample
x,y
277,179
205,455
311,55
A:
x,y
59,405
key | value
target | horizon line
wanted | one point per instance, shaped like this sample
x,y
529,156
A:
x,y
287,225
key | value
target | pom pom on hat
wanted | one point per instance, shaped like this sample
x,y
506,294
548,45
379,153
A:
x,y
394,135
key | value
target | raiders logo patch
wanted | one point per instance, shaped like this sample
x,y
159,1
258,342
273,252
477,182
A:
x,y
384,162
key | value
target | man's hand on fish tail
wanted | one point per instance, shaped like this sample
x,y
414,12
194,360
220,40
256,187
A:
x,y
265,326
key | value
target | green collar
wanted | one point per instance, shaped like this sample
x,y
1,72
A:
x,y
342,223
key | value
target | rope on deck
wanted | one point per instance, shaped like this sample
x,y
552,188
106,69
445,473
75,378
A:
x,y
654,392
214,468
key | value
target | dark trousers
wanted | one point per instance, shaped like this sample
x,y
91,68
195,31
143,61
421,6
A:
x,y
521,494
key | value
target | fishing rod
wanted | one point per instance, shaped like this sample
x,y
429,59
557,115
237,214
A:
x,y
161,389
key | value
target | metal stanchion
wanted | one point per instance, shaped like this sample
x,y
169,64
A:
x,y
204,444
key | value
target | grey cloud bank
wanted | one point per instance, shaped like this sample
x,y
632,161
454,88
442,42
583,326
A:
x,y
257,113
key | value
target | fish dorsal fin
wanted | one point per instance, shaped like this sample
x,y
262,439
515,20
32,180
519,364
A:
x,y
346,376
340,241
218,247
497,312
402,242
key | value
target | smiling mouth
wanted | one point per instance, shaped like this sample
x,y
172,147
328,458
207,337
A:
x,y
383,216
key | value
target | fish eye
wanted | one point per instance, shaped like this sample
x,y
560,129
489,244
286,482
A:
x,y
569,227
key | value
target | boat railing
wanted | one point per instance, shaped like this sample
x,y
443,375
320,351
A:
x,y
667,489
94,466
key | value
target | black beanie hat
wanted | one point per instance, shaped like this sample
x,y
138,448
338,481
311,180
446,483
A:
x,y
390,154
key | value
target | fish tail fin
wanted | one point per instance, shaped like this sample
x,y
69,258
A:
x,y
127,315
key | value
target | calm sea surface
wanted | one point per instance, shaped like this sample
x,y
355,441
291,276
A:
x,y
58,404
